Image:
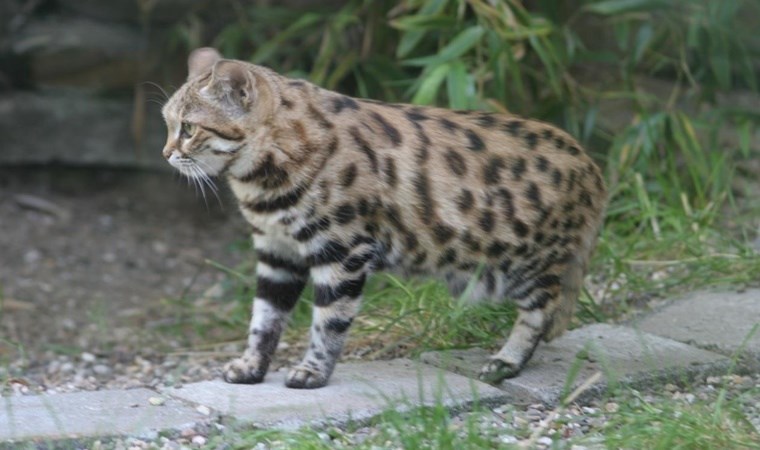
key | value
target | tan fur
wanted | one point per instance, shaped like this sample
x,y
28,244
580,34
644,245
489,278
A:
x,y
419,190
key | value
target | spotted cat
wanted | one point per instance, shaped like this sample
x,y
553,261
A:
x,y
335,188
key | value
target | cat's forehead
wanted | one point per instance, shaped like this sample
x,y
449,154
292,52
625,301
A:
x,y
185,100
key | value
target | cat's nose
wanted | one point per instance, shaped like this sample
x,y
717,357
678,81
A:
x,y
168,150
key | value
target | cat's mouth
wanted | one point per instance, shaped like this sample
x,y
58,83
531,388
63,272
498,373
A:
x,y
195,170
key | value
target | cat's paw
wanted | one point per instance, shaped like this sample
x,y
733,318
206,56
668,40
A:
x,y
243,370
496,370
301,377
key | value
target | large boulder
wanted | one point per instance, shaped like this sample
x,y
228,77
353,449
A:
x,y
134,11
74,127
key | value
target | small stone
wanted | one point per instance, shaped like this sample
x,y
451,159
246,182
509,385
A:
x,y
88,357
508,439
544,440
199,440
101,369
611,407
157,401
205,410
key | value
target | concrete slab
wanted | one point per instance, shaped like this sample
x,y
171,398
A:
x,y
84,414
715,320
620,353
356,391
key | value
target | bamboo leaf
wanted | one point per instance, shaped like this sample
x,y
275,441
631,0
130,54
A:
x,y
430,85
412,38
458,86
463,42
615,7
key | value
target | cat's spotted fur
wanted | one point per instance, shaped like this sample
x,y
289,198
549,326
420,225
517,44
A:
x,y
335,188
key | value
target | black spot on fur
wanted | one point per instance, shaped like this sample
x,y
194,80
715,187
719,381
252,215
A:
x,y
338,326
331,252
486,120
267,174
425,201
513,127
542,164
363,207
496,249
574,150
319,117
465,201
325,295
348,175
559,142
443,233
476,143
364,148
309,230
518,168
342,102
449,256
556,177
287,200
506,201
520,229
280,263
469,240
456,162
531,140
344,213
533,193
448,125
287,104
282,295
491,171
487,221
389,170
585,198
356,262
392,132
416,115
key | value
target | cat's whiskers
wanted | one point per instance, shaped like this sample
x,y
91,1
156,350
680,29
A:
x,y
203,178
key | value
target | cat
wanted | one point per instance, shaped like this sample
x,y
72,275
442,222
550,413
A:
x,y
335,188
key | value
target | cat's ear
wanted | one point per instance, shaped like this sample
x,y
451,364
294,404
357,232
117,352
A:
x,y
201,60
232,82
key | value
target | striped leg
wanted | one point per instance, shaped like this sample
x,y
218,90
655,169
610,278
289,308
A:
x,y
279,284
337,298
531,324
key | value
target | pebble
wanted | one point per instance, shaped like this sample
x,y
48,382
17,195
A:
x,y
88,357
157,401
199,440
205,410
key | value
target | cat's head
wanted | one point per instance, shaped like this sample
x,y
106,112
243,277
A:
x,y
219,116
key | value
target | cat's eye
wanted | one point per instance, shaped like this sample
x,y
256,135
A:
x,y
186,130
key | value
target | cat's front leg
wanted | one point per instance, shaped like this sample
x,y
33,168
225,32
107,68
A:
x,y
279,284
337,299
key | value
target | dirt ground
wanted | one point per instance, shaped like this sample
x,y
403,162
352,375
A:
x,y
91,258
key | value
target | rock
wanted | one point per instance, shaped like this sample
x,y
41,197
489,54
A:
x,y
68,51
76,127
132,10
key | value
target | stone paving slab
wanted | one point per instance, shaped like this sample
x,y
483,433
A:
x,y
356,391
715,320
620,353
96,413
